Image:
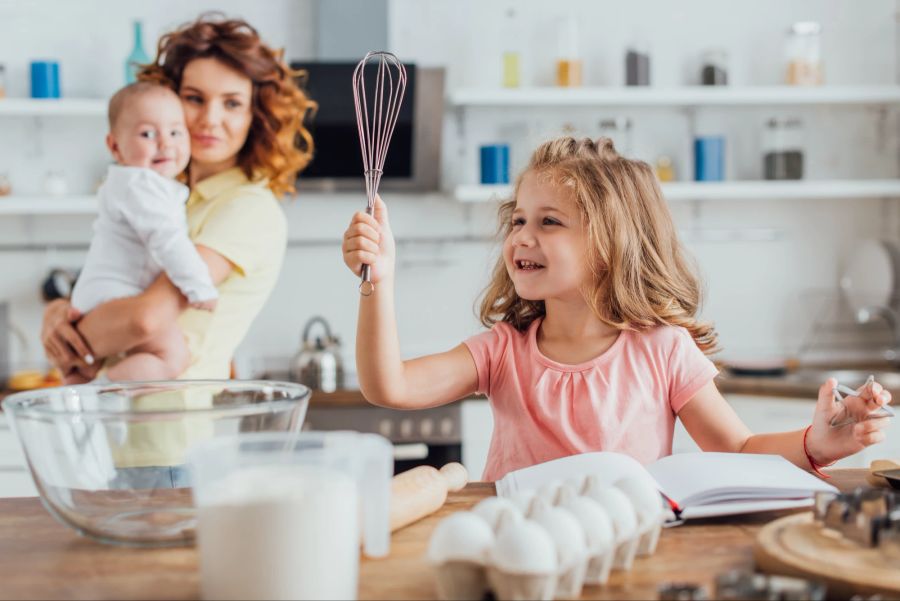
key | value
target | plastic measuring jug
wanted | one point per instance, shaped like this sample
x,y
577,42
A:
x,y
279,515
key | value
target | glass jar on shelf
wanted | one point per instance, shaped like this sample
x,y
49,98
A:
x,y
714,71
664,168
512,56
783,149
5,184
803,54
568,60
2,80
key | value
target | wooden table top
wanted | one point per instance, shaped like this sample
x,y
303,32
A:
x,y
40,558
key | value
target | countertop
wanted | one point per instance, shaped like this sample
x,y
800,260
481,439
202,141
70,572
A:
x,y
727,384
40,558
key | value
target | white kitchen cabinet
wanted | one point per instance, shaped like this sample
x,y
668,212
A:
x,y
15,480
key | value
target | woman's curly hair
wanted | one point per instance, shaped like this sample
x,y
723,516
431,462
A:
x,y
640,275
278,145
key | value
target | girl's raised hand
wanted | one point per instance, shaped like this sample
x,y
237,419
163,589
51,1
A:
x,y
827,444
369,241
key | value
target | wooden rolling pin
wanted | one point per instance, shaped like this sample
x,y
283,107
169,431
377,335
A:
x,y
422,491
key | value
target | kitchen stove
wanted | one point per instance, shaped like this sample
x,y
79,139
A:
x,y
422,437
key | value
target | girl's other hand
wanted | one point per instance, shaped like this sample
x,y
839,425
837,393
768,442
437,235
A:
x,y
827,444
369,241
63,345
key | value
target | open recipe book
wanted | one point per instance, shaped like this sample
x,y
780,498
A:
x,y
697,485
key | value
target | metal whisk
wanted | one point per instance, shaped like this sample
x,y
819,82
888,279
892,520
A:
x,y
377,111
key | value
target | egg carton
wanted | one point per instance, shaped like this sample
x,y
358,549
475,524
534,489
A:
x,y
546,544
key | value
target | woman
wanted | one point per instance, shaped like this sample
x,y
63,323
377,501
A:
x,y
245,114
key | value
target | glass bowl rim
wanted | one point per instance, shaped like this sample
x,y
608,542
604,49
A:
x,y
21,404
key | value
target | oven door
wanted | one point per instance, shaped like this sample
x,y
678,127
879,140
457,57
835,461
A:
x,y
410,455
424,437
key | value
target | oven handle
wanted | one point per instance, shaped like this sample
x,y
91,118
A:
x,y
410,452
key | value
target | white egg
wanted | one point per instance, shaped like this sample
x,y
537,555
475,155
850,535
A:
x,y
576,482
549,491
522,500
492,509
644,496
462,536
618,506
564,529
598,528
649,506
524,548
600,536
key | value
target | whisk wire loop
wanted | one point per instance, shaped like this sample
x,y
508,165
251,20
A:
x,y
376,126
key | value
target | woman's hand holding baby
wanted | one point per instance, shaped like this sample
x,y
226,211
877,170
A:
x,y
369,241
205,305
827,444
63,344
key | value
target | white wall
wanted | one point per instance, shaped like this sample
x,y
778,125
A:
x,y
762,295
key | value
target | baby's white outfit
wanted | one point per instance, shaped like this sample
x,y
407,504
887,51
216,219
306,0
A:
x,y
140,231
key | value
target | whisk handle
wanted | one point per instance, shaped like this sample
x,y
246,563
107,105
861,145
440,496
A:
x,y
366,287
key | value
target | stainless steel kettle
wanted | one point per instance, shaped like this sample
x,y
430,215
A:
x,y
319,364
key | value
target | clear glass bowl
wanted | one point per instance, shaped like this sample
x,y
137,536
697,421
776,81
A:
x,y
109,460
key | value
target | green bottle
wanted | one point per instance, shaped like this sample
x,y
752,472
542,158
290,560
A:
x,y
137,57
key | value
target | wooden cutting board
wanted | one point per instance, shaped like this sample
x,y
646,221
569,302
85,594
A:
x,y
797,546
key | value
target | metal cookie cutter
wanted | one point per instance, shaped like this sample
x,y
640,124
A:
x,y
844,418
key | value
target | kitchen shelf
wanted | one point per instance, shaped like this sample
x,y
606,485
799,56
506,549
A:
x,y
47,205
736,190
63,107
676,96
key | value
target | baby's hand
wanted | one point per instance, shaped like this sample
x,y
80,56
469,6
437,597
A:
x,y
827,443
369,241
206,305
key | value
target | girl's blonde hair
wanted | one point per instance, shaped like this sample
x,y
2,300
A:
x,y
640,277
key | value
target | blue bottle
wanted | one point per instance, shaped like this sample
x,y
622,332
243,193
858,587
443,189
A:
x,y
137,57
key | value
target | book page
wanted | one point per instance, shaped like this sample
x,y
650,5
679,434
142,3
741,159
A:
x,y
692,478
739,507
609,466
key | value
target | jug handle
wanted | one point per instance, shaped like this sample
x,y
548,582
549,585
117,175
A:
x,y
378,468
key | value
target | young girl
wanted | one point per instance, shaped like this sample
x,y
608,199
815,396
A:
x,y
594,341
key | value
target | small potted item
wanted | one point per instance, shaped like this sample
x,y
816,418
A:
x,y
459,549
523,562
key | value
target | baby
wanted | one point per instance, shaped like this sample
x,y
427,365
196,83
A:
x,y
141,228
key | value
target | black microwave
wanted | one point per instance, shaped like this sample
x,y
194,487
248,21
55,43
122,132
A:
x,y
413,159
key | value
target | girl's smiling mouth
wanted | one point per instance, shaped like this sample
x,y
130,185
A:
x,y
525,265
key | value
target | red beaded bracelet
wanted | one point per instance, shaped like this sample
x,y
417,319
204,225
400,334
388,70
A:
x,y
815,467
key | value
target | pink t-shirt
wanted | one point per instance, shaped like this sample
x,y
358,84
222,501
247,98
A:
x,y
625,400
